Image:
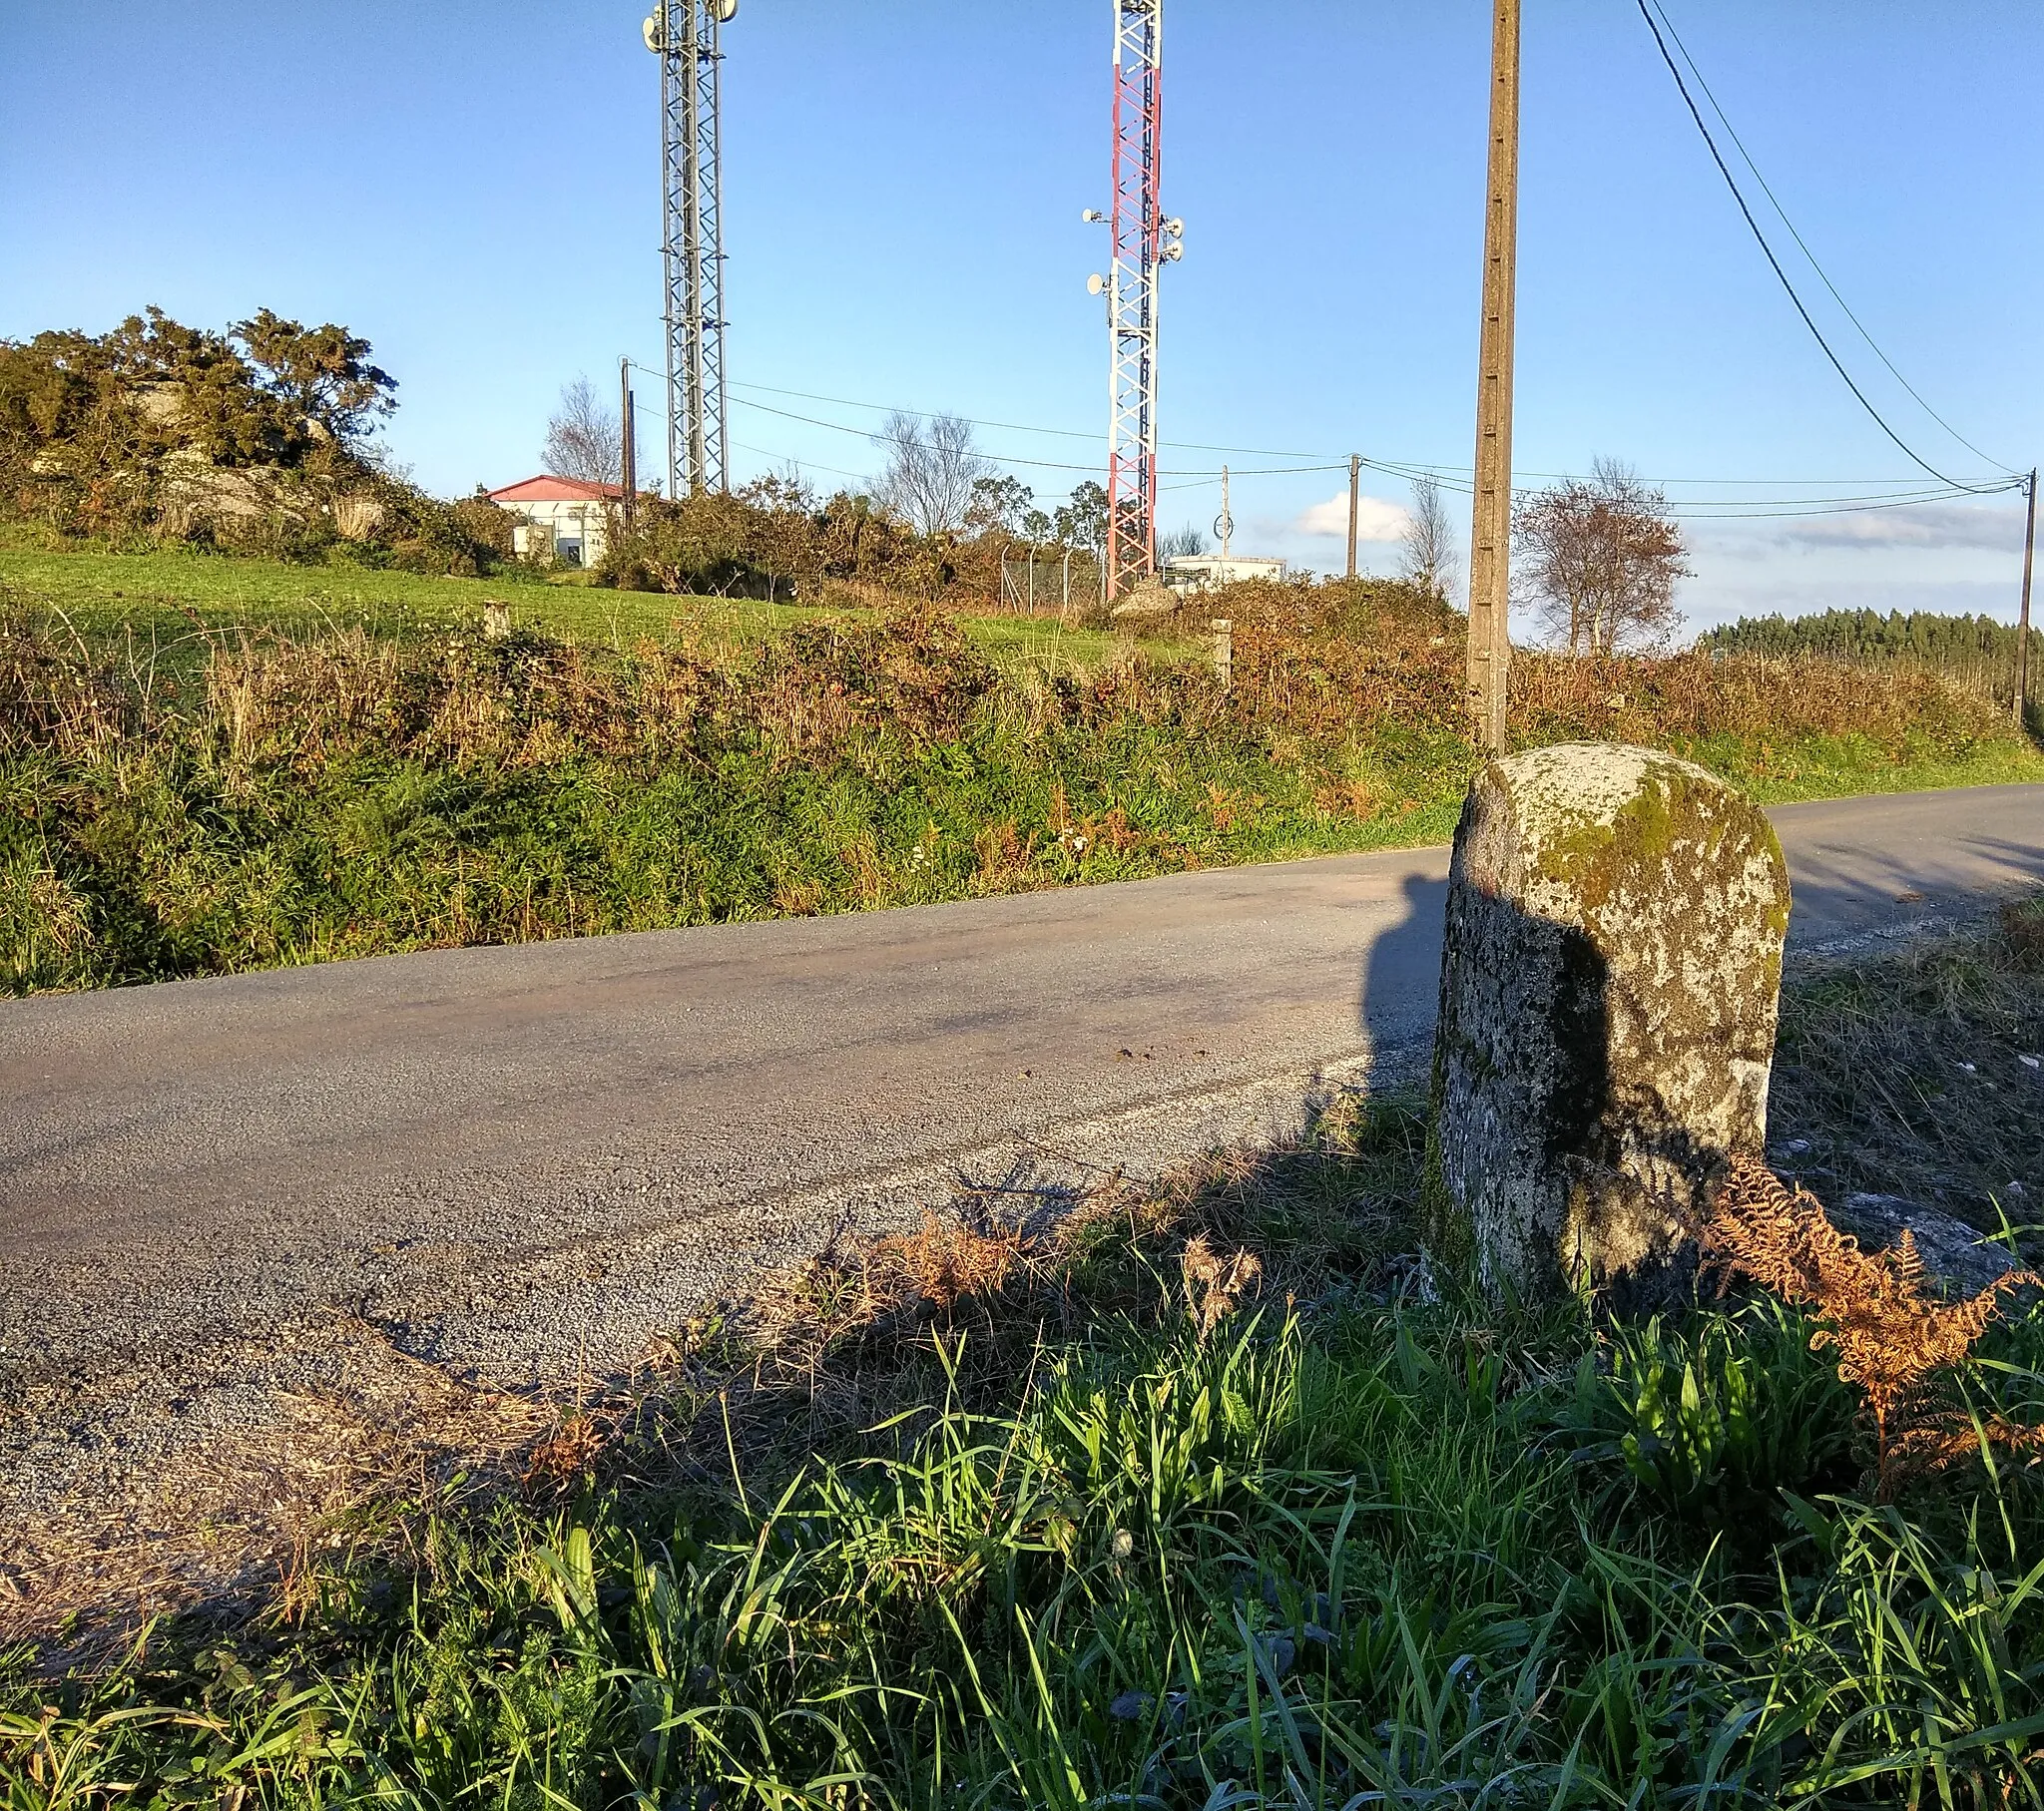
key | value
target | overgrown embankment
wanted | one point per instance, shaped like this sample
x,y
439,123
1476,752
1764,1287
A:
x,y
282,798
1976,652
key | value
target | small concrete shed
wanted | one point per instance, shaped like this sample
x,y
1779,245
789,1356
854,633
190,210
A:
x,y
568,516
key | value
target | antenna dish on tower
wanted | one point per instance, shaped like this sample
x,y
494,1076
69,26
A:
x,y
726,11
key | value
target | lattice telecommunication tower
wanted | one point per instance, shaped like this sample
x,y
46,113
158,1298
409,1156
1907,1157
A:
x,y
684,35
1143,242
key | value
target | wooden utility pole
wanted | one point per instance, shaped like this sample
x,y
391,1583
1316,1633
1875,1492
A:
x,y
1354,496
2024,616
627,432
1490,647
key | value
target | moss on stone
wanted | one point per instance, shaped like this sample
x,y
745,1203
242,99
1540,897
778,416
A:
x,y
1608,1006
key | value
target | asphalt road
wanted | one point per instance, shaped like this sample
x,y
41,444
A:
x,y
525,1160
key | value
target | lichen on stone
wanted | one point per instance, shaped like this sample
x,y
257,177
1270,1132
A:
x,y
1608,1003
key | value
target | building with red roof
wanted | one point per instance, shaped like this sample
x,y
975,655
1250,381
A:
x,y
567,518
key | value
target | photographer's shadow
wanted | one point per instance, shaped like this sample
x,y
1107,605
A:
x,y
1399,991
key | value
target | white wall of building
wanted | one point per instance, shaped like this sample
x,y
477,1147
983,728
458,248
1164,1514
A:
x,y
577,528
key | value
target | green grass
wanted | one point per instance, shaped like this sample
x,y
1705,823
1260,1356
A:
x,y
1063,1540
293,764
1374,1551
1852,767
162,598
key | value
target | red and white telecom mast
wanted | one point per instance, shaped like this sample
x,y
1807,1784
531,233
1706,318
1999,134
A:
x,y
1143,242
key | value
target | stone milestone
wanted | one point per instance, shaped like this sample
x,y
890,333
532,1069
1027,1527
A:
x,y
1608,989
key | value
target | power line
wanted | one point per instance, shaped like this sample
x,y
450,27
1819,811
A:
x,y
886,408
1449,477
1322,460
1690,513
1801,246
1724,169
1052,465
1683,512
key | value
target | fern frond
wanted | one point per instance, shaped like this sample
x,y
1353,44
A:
x,y
1891,1337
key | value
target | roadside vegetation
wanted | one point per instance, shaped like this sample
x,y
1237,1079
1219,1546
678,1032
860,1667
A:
x,y
188,790
248,716
1209,1495
1974,651
163,610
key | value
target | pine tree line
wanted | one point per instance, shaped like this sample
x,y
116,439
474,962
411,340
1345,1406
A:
x,y
1975,652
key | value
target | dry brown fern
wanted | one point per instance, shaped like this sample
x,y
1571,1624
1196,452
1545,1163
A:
x,y
1893,1339
1215,1281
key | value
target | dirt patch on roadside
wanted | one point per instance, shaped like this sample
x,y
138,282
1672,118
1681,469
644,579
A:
x,y
207,1473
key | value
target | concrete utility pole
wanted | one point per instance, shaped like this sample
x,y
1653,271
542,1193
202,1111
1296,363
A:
x,y
1490,647
1354,496
1225,527
2023,616
628,433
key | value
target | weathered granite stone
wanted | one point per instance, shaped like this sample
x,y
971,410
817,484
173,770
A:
x,y
1608,989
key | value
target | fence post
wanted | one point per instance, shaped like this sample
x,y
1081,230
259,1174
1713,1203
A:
x,y
1223,652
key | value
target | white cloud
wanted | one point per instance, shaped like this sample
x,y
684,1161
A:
x,y
1923,524
1376,519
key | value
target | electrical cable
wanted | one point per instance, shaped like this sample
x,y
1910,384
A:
x,y
1703,513
1322,462
1773,201
1695,508
1052,465
1724,169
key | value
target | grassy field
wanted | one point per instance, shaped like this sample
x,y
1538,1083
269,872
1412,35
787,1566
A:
x,y
165,600
1116,1517
216,764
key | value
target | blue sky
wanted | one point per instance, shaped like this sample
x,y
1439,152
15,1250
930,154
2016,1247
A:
x,y
475,189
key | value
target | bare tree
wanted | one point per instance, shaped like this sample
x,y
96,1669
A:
x,y
1430,554
582,438
1601,556
930,472
1181,542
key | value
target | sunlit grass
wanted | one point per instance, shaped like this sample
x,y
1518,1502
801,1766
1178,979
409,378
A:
x,y
162,598
220,763
1044,1531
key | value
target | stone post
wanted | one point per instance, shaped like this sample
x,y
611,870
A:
x,y
1609,989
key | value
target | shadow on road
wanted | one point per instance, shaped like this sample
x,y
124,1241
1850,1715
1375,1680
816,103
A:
x,y
1401,985
1842,891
